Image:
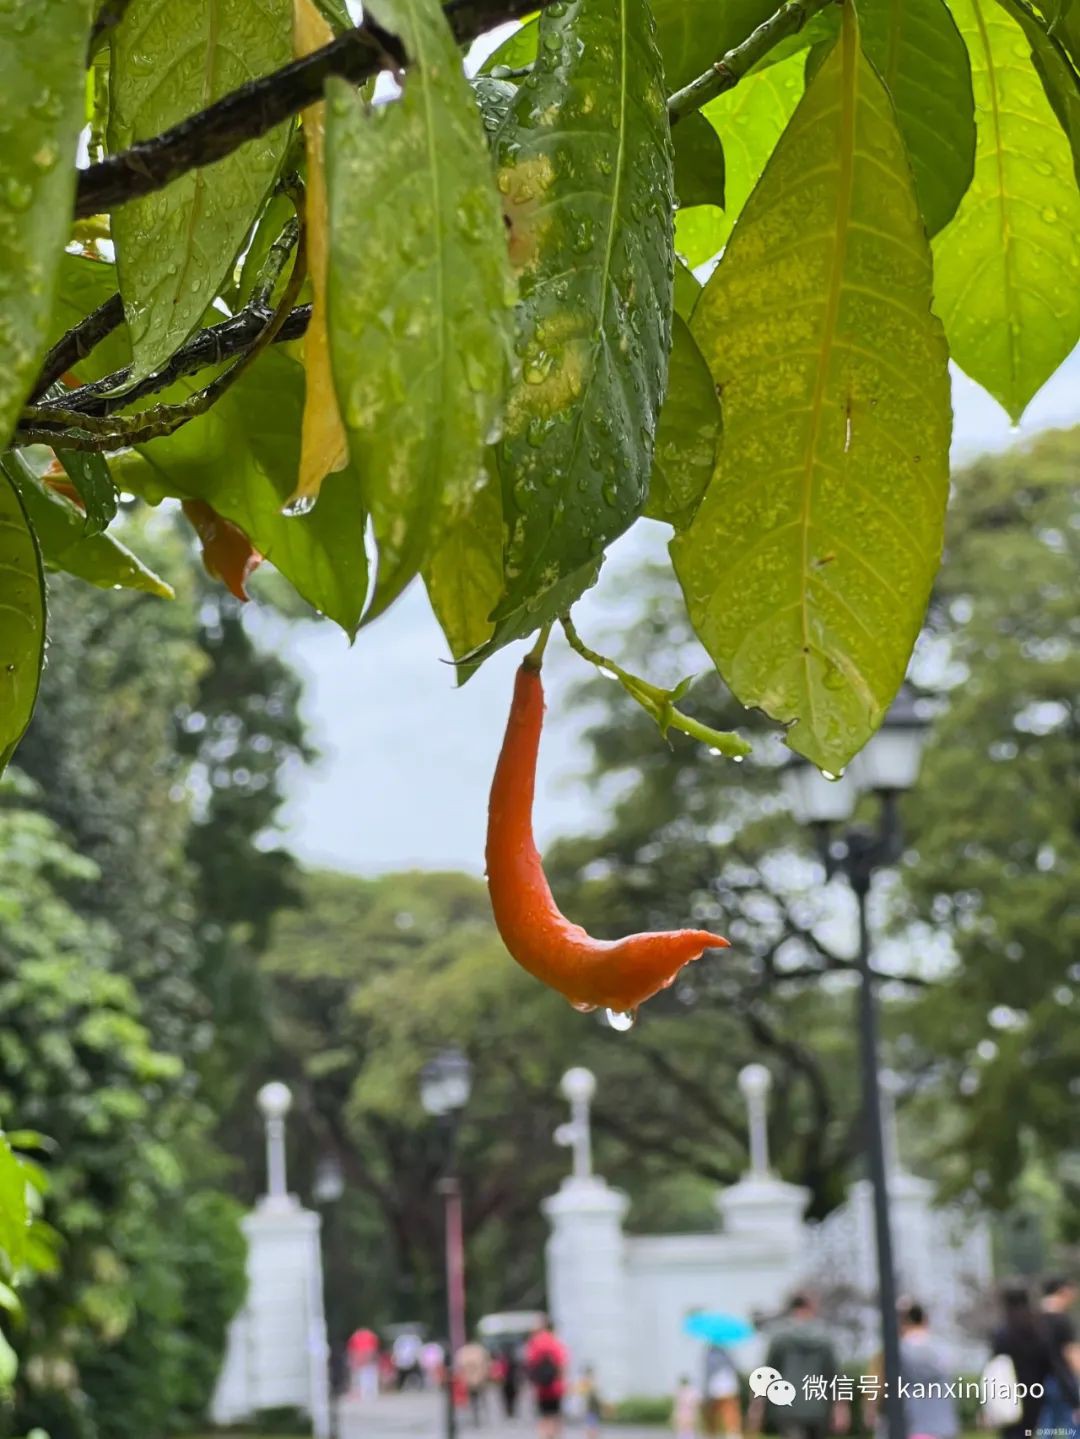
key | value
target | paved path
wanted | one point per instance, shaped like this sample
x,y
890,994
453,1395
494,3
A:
x,y
421,1416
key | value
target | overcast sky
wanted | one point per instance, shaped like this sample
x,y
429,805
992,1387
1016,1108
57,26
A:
x,y
406,759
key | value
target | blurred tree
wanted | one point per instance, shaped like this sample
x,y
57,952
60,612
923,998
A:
x,y
996,830
162,733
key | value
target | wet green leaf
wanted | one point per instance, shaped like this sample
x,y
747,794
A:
x,y
1007,269
66,545
690,34
174,249
1060,81
22,630
749,120
687,293
494,98
699,162
89,473
808,566
586,178
922,58
42,76
464,575
419,294
688,435
241,457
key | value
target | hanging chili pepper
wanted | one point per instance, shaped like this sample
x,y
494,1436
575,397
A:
x,y
591,973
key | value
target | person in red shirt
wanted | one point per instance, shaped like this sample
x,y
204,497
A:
x,y
363,1356
546,1359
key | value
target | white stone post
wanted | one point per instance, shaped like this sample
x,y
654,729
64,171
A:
x,y
754,1082
586,1255
277,1349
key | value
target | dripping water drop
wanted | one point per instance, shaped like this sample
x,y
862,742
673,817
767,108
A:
x,y
621,1020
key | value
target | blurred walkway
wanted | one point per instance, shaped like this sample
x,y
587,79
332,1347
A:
x,y
420,1416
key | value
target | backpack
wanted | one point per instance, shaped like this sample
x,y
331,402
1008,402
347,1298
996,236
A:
x,y
544,1372
801,1353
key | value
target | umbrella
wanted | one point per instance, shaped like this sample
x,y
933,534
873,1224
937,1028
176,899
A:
x,y
717,1328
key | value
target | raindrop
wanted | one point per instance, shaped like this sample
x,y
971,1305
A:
x,y
621,1020
302,505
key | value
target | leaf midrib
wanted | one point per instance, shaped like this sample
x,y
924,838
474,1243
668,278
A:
x,y
1003,209
849,42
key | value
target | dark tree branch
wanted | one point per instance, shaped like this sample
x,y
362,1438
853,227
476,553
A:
x,y
257,107
108,17
77,343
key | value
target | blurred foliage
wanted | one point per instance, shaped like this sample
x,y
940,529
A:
x,y
142,878
995,828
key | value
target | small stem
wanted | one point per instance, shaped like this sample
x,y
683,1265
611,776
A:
x,y
725,73
91,432
657,702
535,658
276,259
77,343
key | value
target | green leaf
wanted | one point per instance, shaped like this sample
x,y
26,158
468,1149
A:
x,y
1007,269
690,34
1060,81
42,64
67,545
750,120
699,162
808,566
687,294
241,458
89,473
22,629
174,249
923,60
586,177
14,1216
464,575
419,294
688,435
494,98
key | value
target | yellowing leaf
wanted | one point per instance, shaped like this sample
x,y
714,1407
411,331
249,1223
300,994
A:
x,y
809,563
1007,269
323,446
464,576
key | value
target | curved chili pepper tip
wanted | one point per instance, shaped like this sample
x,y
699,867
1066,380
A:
x,y
591,973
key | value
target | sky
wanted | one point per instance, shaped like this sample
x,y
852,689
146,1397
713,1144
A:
x,y
406,759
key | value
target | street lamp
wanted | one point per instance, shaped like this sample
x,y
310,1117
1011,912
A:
x,y
445,1086
887,766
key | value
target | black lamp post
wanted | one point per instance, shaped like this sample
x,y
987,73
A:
x,y
887,766
445,1086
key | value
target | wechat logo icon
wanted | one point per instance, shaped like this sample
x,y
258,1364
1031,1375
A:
x,y
769,1383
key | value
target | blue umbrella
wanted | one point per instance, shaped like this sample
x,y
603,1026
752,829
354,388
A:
x,y
716,1328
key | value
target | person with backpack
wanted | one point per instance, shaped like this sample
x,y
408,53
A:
x,y
801,1351
545,1365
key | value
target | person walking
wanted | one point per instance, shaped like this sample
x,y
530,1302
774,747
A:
x,y
1022,1340
686,1410
510,1379
591,1403
546,1359
362,1357
801,1350
1061,1404
929,1412
723,1400
472,1366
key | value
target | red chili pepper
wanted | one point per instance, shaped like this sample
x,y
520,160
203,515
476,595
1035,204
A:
x,y
591,973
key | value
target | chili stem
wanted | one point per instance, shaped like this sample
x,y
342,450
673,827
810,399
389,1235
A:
x,y
656,701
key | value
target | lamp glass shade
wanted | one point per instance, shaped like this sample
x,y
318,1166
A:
x,y
446,1082
890,759
815,799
